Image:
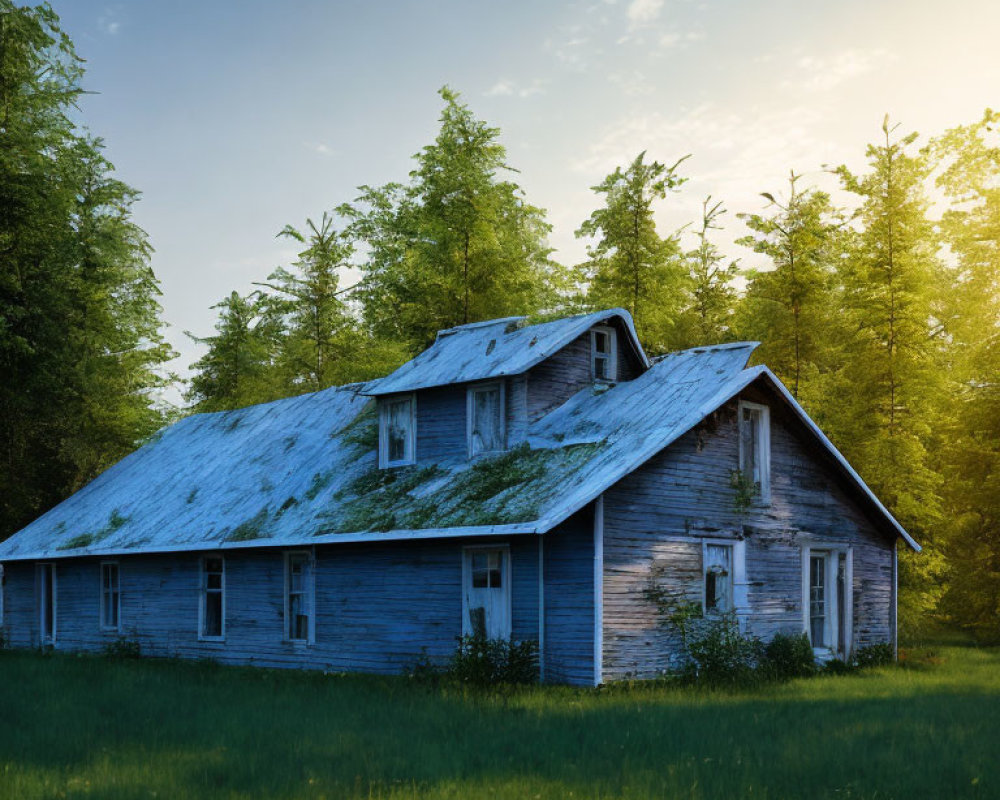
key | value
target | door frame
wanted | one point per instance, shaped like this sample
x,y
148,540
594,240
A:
x,y
45,589
832,551
467,551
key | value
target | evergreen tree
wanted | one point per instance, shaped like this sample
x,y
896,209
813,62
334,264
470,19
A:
x,y
969,172
80,343
893,285
789,307
239,368
630,264
456,244
709,318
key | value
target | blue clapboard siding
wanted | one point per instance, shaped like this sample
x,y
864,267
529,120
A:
x,y
569,600
380,607
656,518
441,428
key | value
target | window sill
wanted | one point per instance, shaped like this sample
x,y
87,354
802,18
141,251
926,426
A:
x,y
212,639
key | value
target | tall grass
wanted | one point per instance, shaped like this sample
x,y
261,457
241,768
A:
x,y
93,727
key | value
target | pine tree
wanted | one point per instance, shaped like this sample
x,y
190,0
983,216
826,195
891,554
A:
x,y
709,318
456,244
968,160
788,307
630,264
240,366
893,285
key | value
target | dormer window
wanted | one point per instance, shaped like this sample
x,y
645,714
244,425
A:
x,y
485,416
755,447
397,427
604,366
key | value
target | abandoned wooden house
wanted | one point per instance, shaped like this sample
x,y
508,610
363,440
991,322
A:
x,y
525,481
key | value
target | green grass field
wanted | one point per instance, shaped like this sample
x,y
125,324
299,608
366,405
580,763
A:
x,y
92,727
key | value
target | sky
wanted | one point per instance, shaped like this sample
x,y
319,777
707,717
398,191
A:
x,y
236,118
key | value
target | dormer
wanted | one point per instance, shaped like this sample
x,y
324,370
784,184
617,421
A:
x,y
475,391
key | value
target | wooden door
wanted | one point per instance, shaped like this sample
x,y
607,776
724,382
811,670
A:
x,y
486,602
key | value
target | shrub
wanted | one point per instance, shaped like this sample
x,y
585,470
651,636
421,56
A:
x,y
787,656
874,655
836,666
721,655
122,647
486,662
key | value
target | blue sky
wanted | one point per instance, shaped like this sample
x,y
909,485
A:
x,y
236,118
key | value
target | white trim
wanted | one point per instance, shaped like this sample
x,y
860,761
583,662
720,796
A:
x,y
470,406
599,590
895,602
541,608
42,600
309,595
832,552
467,550
202,594
763,445
611,355
118,612
383,438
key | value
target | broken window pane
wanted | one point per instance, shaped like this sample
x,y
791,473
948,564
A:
x,y
718,578
487,422
398,426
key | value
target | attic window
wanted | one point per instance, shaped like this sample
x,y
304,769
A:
x,y
755,447
604,365
397,427
485,416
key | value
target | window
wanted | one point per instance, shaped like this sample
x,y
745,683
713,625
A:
x,y
755,447
718,566
485,414
299,594
827,599
397,429
46,588
213,598
110,597
604,365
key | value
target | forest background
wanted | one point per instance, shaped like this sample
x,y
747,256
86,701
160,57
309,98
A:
x,y
881,315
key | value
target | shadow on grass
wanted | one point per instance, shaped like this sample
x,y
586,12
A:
x,y
123,729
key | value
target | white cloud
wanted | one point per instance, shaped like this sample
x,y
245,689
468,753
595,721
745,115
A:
x,y
823,74
642,12
508,88
107,23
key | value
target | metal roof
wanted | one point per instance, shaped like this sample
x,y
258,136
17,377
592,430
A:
x,y
494,348
303,470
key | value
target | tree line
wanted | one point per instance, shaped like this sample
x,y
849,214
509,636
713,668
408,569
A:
x,y
881,316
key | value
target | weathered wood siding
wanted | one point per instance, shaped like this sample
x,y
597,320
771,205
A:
x,y
552,382
656,518
379,607
441,426
569,600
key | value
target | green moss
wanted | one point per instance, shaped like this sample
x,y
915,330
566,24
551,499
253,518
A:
x,y
380,499
319,482
291,501
253,528
362,431
115,521
192,495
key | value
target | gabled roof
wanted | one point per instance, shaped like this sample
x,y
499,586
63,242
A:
x,y
493,349
303,471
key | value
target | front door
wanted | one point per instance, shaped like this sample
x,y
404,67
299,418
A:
x,y
486,602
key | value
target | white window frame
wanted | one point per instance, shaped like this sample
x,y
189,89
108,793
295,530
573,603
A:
x,y
738,576
309,596
470,406
809,548
467,582
763,445
203,591
117,593
410,456
39,568
611,356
